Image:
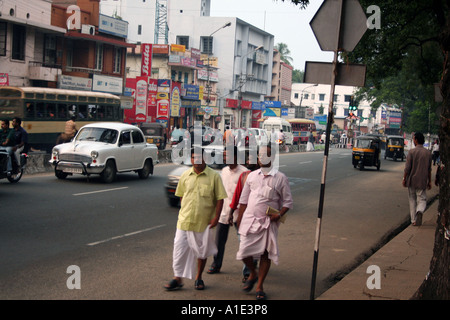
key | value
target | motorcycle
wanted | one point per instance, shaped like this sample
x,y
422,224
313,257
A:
x,y
16,173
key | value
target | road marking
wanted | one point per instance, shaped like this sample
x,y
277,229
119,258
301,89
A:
x,y
125,235
304,162
98,191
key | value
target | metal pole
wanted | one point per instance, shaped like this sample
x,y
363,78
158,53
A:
x,y
325,163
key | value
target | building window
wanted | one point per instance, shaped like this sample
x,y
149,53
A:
x,y
3,38
206,44
295,95
50,49
305,96
347,98
321,97
18,42
117,60
183,40
139,29
99,57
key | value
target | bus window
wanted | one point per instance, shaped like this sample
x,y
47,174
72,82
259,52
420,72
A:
x,y
30,110
62,111
109,112
40,110
82,111
50,111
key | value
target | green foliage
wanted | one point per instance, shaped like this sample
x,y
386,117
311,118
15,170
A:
x,y
403,60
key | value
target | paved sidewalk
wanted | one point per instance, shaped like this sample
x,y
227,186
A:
x,y
403,263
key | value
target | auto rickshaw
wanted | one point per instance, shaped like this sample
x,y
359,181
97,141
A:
x,y
154,133
366,152
395,146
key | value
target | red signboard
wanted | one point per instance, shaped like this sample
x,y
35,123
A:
x,y
234,103
146,63
4,80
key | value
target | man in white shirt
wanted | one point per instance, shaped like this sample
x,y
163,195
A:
x,y
230,177
264,188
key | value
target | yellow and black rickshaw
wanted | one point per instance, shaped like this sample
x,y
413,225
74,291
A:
x,y
366,152
395,146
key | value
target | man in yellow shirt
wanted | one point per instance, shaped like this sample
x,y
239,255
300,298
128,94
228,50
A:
x,y
202,192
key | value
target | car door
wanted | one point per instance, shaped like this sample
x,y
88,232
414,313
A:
x,y
125,153
139,146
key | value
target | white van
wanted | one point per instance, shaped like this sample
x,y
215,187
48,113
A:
x,y
274,124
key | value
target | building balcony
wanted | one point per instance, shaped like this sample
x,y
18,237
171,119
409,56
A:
x,y
42,71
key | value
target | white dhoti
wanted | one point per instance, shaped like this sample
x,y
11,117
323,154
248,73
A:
x,y
257,241
189,246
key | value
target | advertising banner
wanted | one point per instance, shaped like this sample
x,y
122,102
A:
x,y
175,97
151,98
4,79
146,62
141,98
162,105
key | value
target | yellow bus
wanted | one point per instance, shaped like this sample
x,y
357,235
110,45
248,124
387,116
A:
x,y
44,111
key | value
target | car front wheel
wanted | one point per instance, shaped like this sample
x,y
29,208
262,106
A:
x,y
109,173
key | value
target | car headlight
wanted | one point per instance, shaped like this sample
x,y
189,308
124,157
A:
x,y
94,154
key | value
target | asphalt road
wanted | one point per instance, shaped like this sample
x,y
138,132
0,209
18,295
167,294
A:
x,y
120,235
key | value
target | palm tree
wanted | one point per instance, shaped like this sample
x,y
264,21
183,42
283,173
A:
x,y
284,53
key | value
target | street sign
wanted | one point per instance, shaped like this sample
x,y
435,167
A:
x,y
338,25
347,74
351,25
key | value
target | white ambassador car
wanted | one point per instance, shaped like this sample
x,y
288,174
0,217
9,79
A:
x,y
105,148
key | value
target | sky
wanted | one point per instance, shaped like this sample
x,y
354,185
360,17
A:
x,y
287,22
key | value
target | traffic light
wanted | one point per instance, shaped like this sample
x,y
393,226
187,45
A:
x,y
353,105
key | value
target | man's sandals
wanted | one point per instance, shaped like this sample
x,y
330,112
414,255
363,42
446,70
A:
x,y
199,284
173,285
248,285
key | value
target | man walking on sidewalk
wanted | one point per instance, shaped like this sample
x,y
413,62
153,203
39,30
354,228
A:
x,y
417,178
264,189
201,191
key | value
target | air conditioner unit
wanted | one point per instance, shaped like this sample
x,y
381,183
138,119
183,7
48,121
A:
x,y
88,29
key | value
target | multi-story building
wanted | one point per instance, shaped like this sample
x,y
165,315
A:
x,y
29,54
312,101
93,50
239,55
64,43
244,62
281,81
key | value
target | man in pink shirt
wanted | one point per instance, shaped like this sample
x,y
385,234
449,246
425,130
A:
x,y
265,187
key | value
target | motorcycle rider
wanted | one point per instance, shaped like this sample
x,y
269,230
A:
x,y
7,141
20,139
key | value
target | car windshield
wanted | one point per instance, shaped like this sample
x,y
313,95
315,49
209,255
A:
x,y
98,134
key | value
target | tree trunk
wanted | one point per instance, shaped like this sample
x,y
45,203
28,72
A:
x,y
437,283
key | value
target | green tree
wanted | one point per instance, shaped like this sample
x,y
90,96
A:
x,y
297,76
416,33
284,53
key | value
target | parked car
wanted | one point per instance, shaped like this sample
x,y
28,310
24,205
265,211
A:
x,y
105,149
154,133
214,159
